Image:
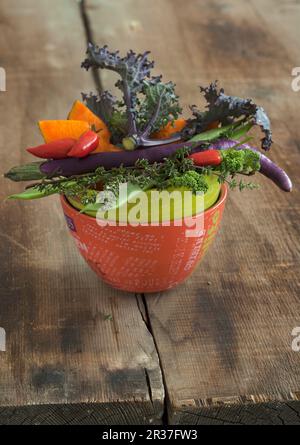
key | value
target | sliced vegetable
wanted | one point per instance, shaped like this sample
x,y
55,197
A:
x,y
53,150
60,129
87,143
206,158
80,112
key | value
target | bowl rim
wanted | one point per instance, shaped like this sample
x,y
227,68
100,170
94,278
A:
x,y
221,199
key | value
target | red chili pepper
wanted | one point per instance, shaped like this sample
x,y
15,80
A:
x,y
87,142
207,157
53,150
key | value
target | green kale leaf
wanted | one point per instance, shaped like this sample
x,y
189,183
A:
x,y
169,109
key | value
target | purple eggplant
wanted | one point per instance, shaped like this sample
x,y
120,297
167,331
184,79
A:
x,y
73,166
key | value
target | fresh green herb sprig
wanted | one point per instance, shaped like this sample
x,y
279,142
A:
x,y
245,162
191,180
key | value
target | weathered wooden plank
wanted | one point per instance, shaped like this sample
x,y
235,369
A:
x,y
224,337
71,340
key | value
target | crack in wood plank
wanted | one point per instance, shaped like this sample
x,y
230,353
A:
x,y
90,39
143,308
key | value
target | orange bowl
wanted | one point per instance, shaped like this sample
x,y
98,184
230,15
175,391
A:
x,y
144,258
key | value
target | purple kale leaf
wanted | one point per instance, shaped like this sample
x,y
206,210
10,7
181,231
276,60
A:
x,y
103,104
226,110
149,103
109,109
133,69
148,111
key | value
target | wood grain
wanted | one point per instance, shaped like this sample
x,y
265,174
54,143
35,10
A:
x,y
224,337
77,351
80,352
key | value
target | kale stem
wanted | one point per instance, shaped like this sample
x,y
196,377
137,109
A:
x,y
146,142
132,128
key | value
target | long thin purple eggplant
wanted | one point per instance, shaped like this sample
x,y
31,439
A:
x,y
267,167
75,166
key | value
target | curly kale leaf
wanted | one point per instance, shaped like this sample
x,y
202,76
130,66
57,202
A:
x,y
103,105
106,106
133,70
149,103
164,94
226,110
118,126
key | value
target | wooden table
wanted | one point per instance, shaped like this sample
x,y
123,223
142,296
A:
x,y
218,349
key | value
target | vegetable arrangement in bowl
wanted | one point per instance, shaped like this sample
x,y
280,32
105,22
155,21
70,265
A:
x,y
141,139
138,138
